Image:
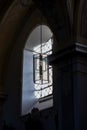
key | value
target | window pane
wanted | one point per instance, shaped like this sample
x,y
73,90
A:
x,y
43,84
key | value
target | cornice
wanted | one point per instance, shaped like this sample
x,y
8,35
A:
x,y
74,50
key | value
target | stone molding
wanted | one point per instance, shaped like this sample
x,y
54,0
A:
x,y
72,51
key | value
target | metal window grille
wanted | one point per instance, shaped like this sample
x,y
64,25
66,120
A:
x,y
42,71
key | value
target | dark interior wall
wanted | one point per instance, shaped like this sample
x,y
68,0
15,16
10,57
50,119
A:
x,y
12,106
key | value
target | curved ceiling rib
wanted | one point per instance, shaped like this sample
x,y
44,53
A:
x,y
4,5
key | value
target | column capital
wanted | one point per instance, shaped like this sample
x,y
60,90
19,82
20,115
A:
x,y
71,51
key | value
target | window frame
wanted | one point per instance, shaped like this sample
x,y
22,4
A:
x,y
48,52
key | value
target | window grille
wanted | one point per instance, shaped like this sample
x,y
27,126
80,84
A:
x,y
42,70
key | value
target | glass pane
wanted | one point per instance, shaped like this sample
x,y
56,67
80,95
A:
x,y
37,76
45,77
37,64
47,91
43,85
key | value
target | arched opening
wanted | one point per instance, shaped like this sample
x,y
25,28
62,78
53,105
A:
x,y
37,91
28,100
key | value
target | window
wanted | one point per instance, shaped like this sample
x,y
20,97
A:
x,y
37,80
42,71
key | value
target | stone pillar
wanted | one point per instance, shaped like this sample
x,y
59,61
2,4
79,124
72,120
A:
x,y
2,100
70,86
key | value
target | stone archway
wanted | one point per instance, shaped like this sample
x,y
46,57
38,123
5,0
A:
x,y
16,26
55,14
13,75
28,85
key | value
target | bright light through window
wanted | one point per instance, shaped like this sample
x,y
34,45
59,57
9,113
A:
x,y
43,89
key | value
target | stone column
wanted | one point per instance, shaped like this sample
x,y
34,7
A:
x,y
70,87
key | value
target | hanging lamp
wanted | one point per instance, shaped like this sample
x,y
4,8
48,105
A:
x,y
40,65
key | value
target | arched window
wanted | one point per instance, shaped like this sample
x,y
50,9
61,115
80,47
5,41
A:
x,y
37,73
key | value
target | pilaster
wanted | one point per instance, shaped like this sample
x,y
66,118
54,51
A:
x,y
70,86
